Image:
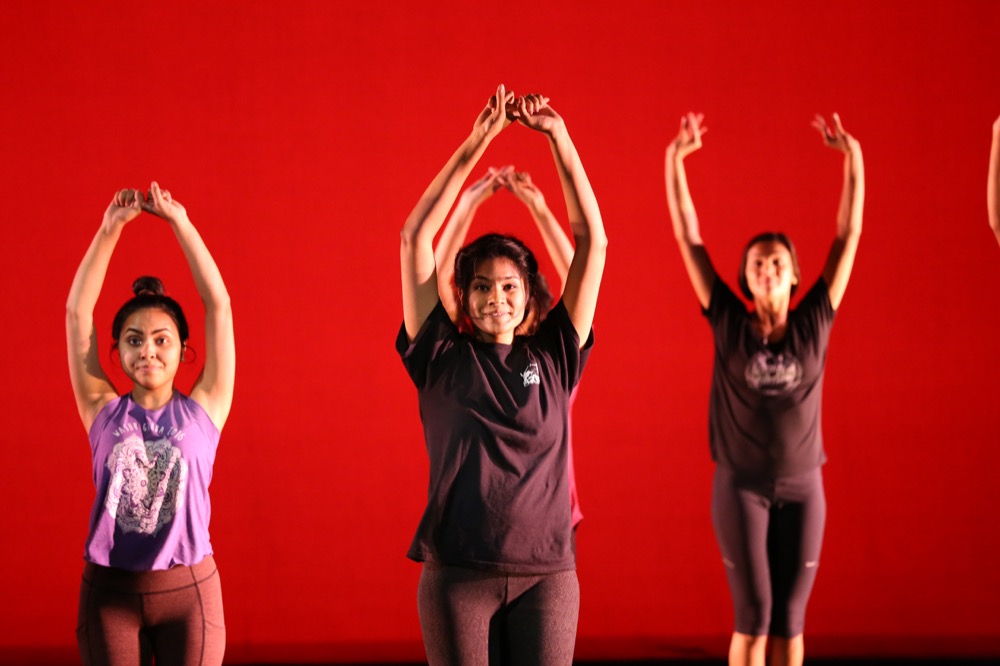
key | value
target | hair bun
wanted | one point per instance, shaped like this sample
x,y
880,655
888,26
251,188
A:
x,y
147,285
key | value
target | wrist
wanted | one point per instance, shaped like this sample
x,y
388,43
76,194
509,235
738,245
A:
x,y
112,225
557,133
177,221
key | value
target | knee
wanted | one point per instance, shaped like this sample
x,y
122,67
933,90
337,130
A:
x,y
788,619
753,617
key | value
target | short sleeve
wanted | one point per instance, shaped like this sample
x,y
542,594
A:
x,y
816,313
558,338
436,336
724,313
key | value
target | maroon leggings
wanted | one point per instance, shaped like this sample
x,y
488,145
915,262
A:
x,y
130,617
475,618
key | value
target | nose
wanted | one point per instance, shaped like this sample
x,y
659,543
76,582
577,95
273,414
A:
x,y
148,350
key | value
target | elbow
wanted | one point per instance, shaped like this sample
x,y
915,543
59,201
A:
x,y
407,241
220,303
600,242
592,237
75,313
596,244
410,235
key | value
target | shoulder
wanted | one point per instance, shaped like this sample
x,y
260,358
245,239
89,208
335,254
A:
x,y
817,301
193,412
437,324
557,324
436,336
723,302
108,412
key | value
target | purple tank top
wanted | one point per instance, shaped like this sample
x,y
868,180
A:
x,y
152,470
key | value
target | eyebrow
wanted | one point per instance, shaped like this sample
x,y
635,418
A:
x,y
136,330
506,277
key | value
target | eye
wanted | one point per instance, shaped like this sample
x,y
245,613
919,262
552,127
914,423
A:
x,y
162,340
481,287
133,341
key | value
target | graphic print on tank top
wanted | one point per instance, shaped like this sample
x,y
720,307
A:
x,y
147,484
773,374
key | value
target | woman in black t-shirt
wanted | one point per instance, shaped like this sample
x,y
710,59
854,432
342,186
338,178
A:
x,y
768,505
498,580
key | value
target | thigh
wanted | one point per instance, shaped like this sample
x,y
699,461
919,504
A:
x,y
109,628
795,544
540,623
456,606
740,517
187,626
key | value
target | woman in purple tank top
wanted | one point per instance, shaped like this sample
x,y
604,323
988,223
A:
x,y
150,587
768,505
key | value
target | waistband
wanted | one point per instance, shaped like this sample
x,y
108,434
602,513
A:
x,y
147,582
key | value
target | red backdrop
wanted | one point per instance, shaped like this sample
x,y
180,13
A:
x,y
300,134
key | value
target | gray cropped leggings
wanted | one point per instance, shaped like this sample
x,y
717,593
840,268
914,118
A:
x,y
128,617
481,618
770,534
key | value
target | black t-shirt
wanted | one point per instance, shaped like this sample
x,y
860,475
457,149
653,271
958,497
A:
x,y
764,406
495,426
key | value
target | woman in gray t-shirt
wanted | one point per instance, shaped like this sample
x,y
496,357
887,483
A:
x,y
768,505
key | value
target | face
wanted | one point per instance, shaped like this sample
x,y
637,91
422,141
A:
x,y
496,300
769,270
150,348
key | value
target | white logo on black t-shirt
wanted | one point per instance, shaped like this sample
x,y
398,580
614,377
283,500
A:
x,y
772,374
530,375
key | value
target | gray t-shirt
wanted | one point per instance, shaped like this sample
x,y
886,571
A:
x,y
765,402
495,426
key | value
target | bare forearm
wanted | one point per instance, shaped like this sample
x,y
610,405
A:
x,y
682,213
993,186
429,214
557,244
581,203
89,278
417,262
447,249
852,199
206,274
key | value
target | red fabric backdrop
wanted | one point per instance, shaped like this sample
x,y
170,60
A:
x,y
300,134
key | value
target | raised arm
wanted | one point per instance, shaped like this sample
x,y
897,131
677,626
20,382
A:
x,y
556,241
682,214
993,186
852,202
416,249
583,281
91,385
453,235
214,388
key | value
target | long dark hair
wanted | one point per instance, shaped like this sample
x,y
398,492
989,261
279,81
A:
x,y
496,246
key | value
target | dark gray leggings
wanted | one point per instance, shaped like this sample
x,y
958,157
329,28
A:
x,y
128,617
481,618
770,535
